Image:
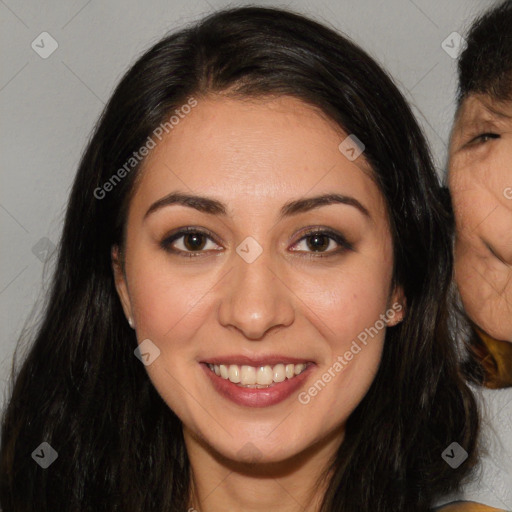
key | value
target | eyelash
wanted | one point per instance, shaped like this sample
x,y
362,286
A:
x,y
338,238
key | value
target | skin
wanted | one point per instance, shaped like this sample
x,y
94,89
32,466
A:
x,y
256,155
480,181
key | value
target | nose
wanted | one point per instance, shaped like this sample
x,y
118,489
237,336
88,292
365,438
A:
x,y
256,298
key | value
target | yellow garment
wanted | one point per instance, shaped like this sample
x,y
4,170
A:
x,y
497,361
469,506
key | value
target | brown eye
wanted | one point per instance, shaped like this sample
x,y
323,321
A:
x,y
317,243
194,241
191,242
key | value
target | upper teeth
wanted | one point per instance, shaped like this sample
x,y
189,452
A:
x,y
262,375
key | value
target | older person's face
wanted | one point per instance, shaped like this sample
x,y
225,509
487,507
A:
x,y
249,289
480,181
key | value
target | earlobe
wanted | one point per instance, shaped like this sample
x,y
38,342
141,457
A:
x,y
120,283
397,307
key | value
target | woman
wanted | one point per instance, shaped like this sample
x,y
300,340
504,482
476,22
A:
x,y
480,179
258,203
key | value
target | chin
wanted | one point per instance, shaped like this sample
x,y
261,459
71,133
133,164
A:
x,y
259,450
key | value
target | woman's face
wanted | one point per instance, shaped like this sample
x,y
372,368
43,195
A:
x,y
257,292
481,186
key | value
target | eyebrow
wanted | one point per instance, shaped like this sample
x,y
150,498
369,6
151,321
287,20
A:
x,y
215,207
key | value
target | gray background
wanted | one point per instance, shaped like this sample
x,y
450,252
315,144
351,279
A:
x,y
49,106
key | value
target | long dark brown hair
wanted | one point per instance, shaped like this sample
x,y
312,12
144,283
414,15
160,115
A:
x,y
80,388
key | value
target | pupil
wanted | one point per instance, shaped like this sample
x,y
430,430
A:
x,y
193,241
319,242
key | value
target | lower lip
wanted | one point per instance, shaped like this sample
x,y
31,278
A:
x,y
257,397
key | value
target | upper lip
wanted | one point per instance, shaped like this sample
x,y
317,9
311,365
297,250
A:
x,y
269,360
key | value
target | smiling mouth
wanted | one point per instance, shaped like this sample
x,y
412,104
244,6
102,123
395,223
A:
x,y
258,376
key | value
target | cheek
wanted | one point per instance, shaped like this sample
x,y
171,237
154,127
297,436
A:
x,y
167,292
166,303
478,184
346,303
469,199
346,310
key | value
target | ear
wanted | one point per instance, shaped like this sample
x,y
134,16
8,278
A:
x,y
120,282
397,307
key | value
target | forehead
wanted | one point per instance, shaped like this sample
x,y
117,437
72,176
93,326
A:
x,y
483,108
254,149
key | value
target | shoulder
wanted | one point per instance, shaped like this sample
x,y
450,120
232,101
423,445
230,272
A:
x,y
496,428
